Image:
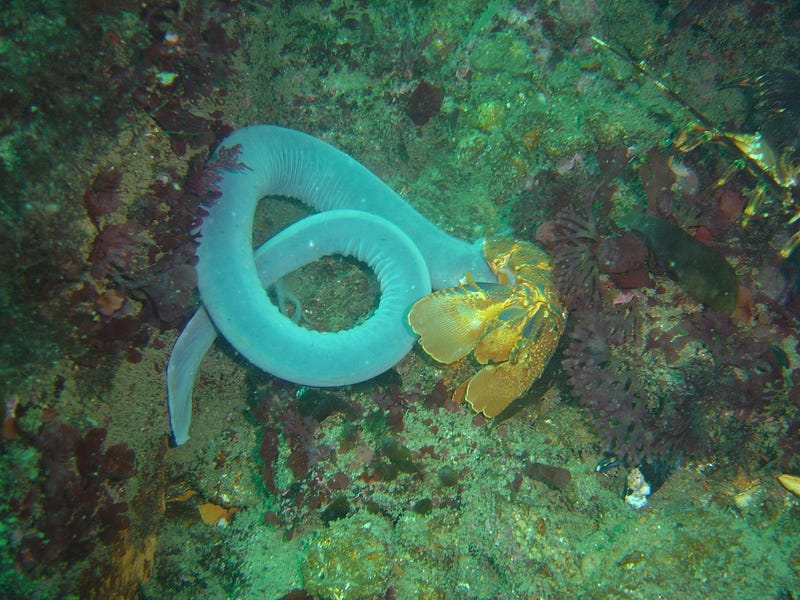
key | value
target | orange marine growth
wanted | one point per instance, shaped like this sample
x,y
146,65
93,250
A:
x,y
512,327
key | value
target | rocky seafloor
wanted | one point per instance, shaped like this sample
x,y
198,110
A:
x,y
489,118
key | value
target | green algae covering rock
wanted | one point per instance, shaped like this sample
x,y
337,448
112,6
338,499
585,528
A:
x,y
349,560
698,269
501,53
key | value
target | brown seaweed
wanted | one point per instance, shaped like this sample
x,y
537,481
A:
x,y
696,267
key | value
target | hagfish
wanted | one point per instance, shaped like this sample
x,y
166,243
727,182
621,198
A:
x,y
358,216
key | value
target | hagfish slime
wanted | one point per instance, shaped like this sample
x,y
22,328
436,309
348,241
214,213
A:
x,y
358,216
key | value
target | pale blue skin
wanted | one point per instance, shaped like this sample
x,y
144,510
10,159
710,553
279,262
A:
x,y
358,216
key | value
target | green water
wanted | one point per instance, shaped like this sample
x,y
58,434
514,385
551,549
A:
x,y
535,119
